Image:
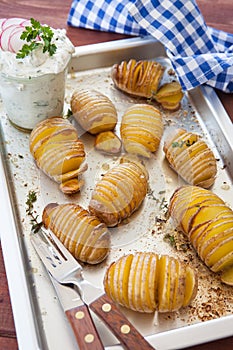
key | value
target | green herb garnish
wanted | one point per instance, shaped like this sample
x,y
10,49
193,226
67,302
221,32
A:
x,y
69,113
180,144
170,239
31,35
31,199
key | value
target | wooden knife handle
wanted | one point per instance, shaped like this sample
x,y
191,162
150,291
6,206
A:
x,y
84,328
120,326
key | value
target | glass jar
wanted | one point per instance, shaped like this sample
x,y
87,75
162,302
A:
x,y
29,100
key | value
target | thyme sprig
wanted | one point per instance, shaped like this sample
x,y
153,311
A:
x,y
31,35
31,199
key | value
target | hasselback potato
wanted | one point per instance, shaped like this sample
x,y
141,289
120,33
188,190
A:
x,y
119,193
190,157
139,78
58,151
94,111
146,282
81,233
141,129
208,223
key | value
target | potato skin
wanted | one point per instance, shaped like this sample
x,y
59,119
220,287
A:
x,y
191,158
87,239
94,111
138,78
119,193
141,129
146,282
208,223
57,150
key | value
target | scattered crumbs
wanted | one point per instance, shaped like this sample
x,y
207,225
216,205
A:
x,y
225,186
171,72
105,166
34,270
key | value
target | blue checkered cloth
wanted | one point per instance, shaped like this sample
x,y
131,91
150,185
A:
x,y
199,54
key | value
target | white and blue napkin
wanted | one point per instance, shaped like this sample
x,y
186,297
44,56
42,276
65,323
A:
x,y
199,54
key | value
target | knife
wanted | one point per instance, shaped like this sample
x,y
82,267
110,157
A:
x,y
78,316
66,270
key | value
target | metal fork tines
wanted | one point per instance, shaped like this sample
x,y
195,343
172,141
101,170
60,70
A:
x,y
61,266
66,270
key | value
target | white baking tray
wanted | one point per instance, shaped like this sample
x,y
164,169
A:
x,y
39,319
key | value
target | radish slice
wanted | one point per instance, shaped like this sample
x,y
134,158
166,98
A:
x,y
2,21
11,30
15,43
14,21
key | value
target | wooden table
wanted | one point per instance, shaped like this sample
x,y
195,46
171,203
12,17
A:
x,y
217,14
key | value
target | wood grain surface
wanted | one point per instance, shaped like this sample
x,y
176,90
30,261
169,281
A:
x,y
217,13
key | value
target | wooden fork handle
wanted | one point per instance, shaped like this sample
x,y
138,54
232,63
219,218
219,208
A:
x,y
120,326
84,328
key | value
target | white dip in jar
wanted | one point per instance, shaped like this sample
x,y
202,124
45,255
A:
x,y
33,88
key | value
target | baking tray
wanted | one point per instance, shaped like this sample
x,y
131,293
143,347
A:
x,y
39,319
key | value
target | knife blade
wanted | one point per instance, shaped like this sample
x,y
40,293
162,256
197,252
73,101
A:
x,y
78,316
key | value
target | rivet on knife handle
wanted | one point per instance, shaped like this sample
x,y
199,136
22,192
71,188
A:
x,y
84,329
120,326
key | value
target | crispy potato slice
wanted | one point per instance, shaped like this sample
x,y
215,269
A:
x,y
108,142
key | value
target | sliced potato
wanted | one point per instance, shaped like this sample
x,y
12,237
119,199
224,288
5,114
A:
x,y
207,223
146,282
108,142
81,233
169,95
190,157
119,193
93,110
138,78
58,151
227,276
141,129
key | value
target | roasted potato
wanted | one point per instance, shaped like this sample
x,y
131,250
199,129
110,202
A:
x,y
146,282
94,111
87,239
138,78
191,158
58,151
208,223
141,129
169,95
108,142
119,193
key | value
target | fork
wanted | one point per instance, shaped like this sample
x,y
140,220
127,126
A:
x,y
67,271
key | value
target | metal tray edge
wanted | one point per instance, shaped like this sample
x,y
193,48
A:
x,y
26,328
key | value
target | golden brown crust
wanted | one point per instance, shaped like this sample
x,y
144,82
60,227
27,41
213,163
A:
x,y
141,129
119,193
169,95
208,223
191,158
81,233
138,78
146,282
57,150
94,111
